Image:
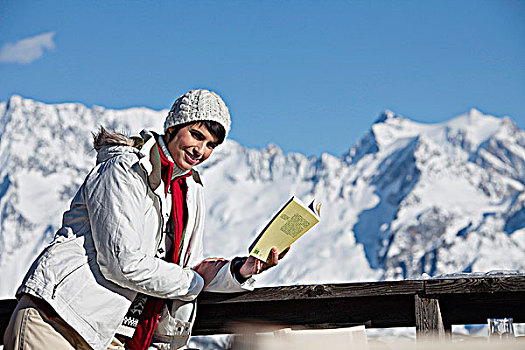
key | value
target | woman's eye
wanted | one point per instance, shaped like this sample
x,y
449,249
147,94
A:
x,y
212,145
197,135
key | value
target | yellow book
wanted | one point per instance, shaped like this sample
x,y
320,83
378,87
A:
x,y
290,223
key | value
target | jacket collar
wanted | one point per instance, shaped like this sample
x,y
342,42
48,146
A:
x,y
164,149
150,160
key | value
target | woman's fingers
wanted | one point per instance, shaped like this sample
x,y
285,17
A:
x,y
254,266
283,253
275,257
208,268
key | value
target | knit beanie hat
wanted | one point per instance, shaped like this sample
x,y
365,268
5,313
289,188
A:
x,y
199,105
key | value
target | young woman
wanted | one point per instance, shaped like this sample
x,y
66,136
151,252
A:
x,y
127,264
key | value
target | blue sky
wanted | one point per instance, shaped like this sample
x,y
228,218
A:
x,y
309,76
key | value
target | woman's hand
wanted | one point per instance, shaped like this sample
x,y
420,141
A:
x,y
254,266
209,267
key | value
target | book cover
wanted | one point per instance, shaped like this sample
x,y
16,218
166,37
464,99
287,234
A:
x,y
292,221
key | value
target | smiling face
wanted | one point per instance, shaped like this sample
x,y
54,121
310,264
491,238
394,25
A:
x,y
192,145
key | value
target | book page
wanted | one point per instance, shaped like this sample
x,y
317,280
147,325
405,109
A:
x,y
285,228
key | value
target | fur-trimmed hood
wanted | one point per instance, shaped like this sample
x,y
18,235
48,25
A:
x,y
110,143
107,138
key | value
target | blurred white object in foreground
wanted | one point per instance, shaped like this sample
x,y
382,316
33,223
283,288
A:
x,y
285,339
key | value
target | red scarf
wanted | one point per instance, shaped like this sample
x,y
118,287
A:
x,y
150,316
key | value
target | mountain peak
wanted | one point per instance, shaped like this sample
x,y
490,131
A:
x,y
477,127
14,100
272,149
473,117
474,112
386,115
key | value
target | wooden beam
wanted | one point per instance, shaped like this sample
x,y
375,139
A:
x,y
6,309
318,291
475,285
378,312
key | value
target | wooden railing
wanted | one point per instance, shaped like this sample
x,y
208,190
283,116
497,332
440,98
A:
x,y
432,305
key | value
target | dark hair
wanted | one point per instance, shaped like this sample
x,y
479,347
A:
x,y
215,128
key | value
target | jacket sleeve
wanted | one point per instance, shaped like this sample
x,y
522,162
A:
x,y
225,282
116,200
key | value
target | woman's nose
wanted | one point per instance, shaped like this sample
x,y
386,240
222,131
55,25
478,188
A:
x,y
200,148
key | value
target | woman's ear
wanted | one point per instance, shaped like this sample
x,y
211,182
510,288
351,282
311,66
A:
x,y
167,134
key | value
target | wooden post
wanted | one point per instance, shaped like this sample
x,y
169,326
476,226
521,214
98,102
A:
x,y
429,322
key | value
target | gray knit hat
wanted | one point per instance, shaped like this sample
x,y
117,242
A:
x,y
199,105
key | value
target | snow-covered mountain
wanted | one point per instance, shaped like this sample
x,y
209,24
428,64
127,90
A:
x,y
407,199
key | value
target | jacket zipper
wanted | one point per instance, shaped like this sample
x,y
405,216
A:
x,y
161,222
160,207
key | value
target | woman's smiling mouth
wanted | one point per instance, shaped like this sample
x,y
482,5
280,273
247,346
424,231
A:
x,y
190,158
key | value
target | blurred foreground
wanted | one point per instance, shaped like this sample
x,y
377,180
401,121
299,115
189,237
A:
x,y
356,338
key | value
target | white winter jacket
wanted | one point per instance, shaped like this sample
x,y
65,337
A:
x,y
109,245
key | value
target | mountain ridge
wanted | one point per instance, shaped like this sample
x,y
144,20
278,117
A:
x,y
408,198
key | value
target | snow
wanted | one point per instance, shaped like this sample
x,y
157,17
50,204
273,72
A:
x,y
478,126
519,237
37,193
407,199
